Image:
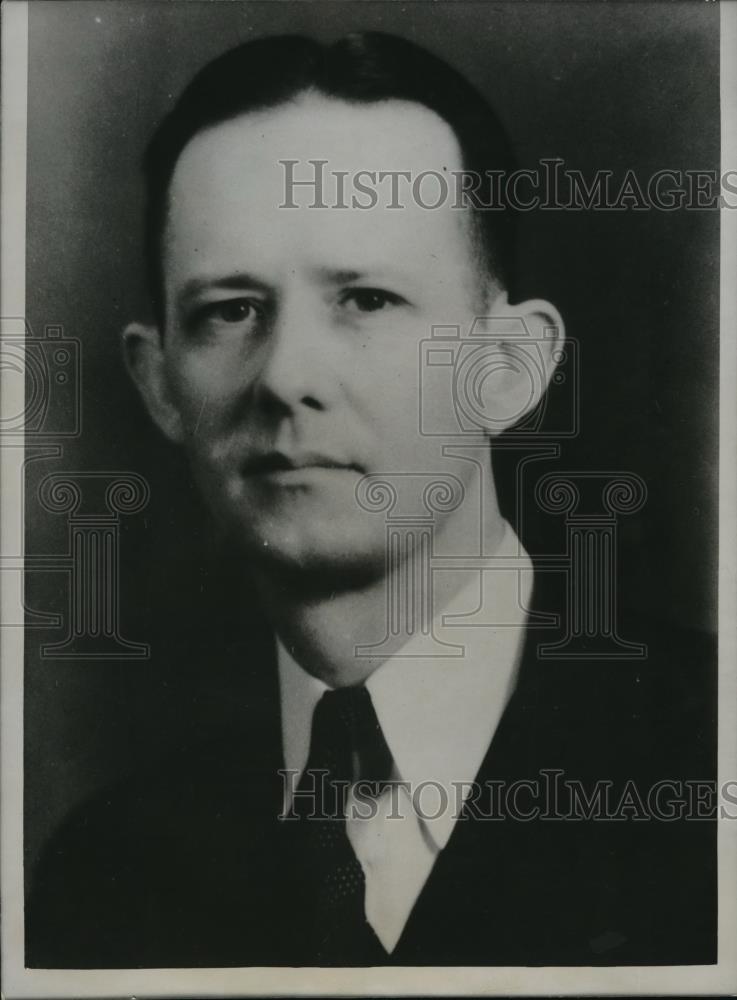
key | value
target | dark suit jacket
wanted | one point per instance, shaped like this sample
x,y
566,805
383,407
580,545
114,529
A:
x,y
187,865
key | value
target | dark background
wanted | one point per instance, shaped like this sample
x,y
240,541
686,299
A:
x,y
602,85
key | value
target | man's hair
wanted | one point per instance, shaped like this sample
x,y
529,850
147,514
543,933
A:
x,y
362,68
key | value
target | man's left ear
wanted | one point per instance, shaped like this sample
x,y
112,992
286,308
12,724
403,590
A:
x,y
528,339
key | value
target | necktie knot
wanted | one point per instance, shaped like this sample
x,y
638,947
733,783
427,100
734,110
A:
x,y
347,740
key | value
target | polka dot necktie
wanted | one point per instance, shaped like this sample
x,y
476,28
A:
x,y
347,745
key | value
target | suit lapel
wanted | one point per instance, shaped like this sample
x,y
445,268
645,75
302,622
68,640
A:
x,y
474,907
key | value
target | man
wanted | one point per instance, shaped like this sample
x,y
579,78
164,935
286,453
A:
x,y
285,359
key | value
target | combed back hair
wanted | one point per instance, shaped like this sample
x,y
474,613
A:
x,y
361,68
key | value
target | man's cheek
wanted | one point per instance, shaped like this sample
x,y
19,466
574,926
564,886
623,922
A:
x,y
203,406
207,374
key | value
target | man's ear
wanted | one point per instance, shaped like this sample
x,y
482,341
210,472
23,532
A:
x,y
528,338
144,358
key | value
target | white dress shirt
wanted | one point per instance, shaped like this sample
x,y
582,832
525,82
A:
x,y
438,716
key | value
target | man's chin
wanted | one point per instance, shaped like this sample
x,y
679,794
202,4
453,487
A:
x,y
317,564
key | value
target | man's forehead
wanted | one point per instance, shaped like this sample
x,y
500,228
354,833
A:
x,y
389,135
231,186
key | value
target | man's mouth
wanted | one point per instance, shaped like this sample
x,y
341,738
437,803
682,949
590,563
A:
x,y
272,462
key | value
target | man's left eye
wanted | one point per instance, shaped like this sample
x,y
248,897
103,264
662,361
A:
x,y
367,300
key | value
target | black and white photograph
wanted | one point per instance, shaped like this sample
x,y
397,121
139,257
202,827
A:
x,y
369,484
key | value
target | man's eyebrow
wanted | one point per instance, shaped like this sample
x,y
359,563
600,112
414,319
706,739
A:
x,y
243,281
378,272
238,281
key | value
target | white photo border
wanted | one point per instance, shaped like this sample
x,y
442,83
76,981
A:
x,y
19,982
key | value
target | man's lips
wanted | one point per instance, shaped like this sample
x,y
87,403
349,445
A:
x,y
277,461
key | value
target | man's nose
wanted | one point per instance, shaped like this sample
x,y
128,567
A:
x,y
295,371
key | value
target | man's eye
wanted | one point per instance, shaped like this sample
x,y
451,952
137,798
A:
x,y
367,300
231,311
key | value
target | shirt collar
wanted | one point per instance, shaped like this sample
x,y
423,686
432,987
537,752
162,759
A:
x,y
300,693
438,714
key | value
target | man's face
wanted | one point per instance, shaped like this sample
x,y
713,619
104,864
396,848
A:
x,y
292,344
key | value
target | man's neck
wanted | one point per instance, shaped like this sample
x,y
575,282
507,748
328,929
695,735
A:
x,y
322,630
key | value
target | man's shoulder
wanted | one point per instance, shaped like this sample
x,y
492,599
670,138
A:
x,y
137,862
649,712
626,663
161,843
596,791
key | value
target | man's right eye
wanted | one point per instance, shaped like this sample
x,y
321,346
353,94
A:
x,y
229,311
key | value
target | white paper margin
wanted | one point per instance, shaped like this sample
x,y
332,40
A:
x,y
18,982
